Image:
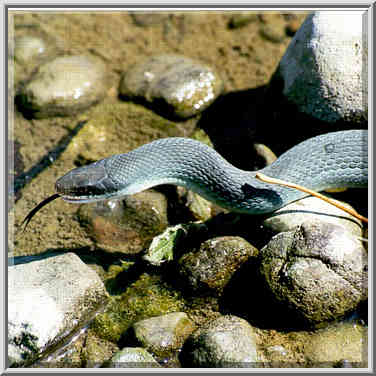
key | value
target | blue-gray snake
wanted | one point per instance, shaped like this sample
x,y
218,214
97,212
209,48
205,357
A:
x,y
332,160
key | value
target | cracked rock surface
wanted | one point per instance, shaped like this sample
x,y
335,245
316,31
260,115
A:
x,y
318,269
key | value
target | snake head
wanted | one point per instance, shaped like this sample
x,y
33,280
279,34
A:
x,y
86,184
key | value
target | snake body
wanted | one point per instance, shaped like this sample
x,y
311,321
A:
x,y
337,159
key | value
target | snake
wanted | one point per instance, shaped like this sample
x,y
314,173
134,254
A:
x,y
332,160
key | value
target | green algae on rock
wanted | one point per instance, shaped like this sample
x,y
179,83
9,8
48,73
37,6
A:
x,y
147,297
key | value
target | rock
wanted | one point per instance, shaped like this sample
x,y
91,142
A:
x,y
64,86
292,27
265,153
148,296
128,225
132,357
228,341
29,47
277,353
199,208
242,19
210,268
324,69
47,300
317,269
163,335
95,351
312,209
273,33
343,345
177,85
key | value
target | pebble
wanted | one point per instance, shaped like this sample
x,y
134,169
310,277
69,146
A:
x,y
272,33
177,85
318,269
31,46
48,299
324,69
28,47
227,341
242,19
64,86
265,153
127,225
132,357
210,268
163,335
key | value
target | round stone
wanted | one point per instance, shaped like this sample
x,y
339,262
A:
x,y
319,270
324,69
64,86
175,84
27,47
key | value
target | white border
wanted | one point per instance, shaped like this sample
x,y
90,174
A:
x,y
335,5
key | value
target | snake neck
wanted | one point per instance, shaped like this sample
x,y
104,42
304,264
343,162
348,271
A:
x,y
191,164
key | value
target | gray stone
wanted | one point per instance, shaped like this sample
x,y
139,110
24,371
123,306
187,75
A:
x,y
228,341
324,69
210,268
47,300
312,209
164,335
184,86
132,357
318,269
64,86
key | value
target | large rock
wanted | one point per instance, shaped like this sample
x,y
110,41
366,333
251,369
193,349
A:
x,y
317,269
324,69
48,299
